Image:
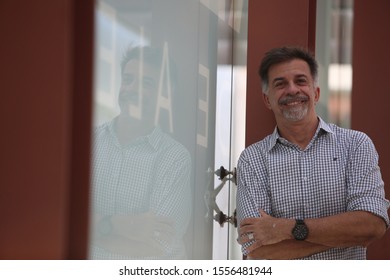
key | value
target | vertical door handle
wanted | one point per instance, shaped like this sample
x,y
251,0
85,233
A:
x,y
224,175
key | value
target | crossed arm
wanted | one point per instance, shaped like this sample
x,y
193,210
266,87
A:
x,y
358,226
273,238
135,235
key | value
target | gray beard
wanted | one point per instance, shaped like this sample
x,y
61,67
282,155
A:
x,y
295,114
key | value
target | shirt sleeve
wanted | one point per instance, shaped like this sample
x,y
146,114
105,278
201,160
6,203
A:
x,y
365,186
171,197
251,188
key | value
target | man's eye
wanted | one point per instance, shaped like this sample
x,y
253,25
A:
x,y
302,82
278,84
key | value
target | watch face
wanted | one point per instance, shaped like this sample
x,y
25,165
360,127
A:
x,y
300,231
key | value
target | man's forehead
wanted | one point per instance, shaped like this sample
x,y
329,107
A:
x,y
294,68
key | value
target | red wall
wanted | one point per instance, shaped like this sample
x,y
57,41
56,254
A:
x,y
370,93
46,78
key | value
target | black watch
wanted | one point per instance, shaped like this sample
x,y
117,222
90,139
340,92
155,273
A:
x,y
300,230
105,226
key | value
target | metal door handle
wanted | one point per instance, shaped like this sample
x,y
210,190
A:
x,y
222,173
210,197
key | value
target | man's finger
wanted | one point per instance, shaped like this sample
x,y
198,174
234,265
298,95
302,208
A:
x,y
263,213
254,246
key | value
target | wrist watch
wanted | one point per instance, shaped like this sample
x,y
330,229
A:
x,y
105,226
300,230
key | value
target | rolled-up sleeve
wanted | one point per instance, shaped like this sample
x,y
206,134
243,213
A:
x,y
365,185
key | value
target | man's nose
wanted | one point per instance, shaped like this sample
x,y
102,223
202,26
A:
x,y
292,88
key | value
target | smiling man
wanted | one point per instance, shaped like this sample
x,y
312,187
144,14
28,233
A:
x,y
310,190
141,198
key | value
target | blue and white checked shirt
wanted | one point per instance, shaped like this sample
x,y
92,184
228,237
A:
x,y
150,174
337,172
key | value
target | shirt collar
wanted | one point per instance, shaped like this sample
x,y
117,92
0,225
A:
x,y
153,139
322,127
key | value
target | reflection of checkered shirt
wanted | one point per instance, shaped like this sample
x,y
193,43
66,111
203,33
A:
x,y
150,174
337,172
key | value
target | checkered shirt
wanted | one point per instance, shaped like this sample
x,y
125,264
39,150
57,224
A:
x,y
337,172
150,174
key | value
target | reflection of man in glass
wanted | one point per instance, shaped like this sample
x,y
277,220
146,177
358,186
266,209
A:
x,y
141,176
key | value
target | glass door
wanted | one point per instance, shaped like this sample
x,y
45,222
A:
x,y
169,108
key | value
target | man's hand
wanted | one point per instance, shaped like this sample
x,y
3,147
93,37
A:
x,y
141,235
264,230
348,229
144,227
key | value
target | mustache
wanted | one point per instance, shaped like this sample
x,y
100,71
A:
x,y
296,98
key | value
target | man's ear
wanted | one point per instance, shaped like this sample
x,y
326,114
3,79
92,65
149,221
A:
x,y
317,94
266,101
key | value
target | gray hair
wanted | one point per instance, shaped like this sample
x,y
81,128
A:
x,y
285,54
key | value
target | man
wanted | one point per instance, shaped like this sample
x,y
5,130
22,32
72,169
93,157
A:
x,y
141,176
310,190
